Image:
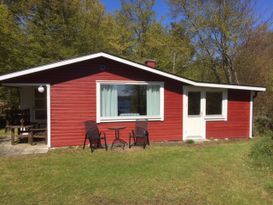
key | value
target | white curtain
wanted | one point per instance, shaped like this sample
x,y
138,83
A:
x,y
109,101
153,100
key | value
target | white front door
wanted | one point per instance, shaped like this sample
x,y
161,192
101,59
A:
x,y
194,122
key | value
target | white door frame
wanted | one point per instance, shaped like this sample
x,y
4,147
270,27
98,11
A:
x,y
186,89
48,107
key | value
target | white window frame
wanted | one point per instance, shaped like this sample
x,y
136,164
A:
x,y
223,116
128,118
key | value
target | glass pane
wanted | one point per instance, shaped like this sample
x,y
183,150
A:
x,y
40,114
109,101
194,99
214,103
40,95
132,100
40,103
40,99
153,100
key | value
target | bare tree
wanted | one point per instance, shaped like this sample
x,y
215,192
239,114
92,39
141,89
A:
x,y
139,15
217,28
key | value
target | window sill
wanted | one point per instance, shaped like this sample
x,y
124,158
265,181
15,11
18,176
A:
x,y
129,119
216,118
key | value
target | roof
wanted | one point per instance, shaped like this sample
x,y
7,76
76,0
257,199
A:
x,y
131,63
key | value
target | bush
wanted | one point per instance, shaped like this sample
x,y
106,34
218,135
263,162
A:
x,y
262,151
262,125
190,141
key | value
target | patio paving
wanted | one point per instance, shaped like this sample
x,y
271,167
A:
x,y
6,149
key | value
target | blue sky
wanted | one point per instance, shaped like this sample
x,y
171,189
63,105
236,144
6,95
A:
x,y
263,8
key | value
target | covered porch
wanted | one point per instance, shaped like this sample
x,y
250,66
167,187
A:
x,y
29,122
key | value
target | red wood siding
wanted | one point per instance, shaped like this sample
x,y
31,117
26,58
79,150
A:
x,y
237,125
73,101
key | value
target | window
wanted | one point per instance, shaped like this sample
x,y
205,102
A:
x,y
194,99
130,101
40,112
208,103
214,103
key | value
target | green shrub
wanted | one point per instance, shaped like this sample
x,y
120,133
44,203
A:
x,y
262,125
190,141
262,151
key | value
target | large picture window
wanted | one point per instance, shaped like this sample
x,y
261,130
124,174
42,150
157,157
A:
x,y
129,101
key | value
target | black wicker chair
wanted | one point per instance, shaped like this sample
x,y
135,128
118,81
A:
x,y
94,136
140,135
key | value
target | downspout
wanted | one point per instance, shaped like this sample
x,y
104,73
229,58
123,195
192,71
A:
x,y
255,95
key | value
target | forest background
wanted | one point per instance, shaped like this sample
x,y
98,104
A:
x,y
221,41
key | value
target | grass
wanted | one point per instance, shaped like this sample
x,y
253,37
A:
x,y
188,174
3,134
262,151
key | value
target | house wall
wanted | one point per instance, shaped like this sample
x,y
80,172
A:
x,y
238,122
73,101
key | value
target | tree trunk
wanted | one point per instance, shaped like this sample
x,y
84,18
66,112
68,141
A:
x,y
174,61
236,77
230,72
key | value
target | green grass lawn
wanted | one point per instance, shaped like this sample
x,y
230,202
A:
x,y
188,174
3,133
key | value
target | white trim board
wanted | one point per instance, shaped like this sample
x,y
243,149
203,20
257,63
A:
x,y
48,107
127,62
251,116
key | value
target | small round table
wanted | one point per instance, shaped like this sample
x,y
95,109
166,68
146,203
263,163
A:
x,y
117,139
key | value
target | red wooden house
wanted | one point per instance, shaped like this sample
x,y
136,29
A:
x,y
114,91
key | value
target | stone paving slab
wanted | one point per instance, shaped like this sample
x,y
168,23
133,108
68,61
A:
x,y
6,149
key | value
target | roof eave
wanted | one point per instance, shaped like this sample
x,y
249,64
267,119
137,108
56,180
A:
x,y
125,61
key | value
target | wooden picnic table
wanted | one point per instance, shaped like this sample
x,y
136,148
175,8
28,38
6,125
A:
x,y
37,133
19,131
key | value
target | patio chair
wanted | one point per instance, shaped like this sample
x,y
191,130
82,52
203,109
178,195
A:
x,y
94,136
140,135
